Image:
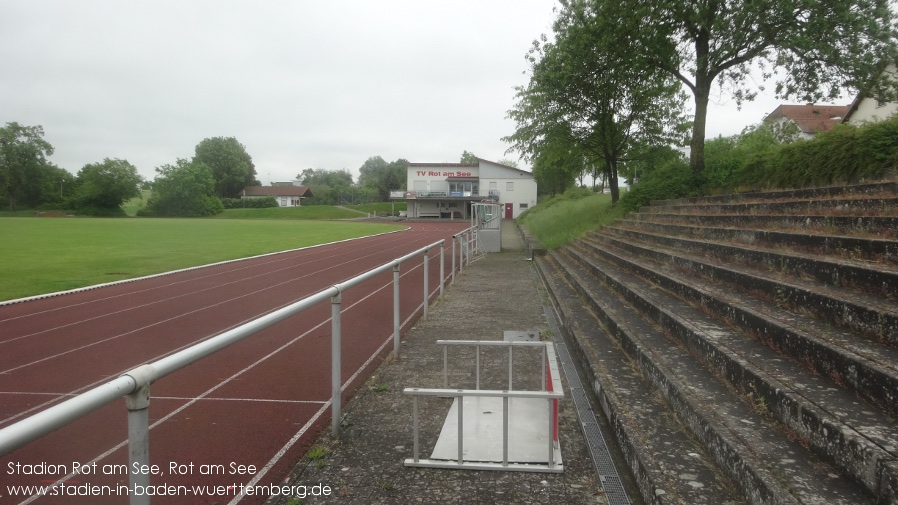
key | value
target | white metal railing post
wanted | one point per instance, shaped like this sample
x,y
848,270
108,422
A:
x,y
396,310
415,426
426,277
453,258
461,430
551,433
138,404
504,431
336,361
442,267
461,254
445,366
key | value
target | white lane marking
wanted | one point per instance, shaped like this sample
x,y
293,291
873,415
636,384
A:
x,y
302,430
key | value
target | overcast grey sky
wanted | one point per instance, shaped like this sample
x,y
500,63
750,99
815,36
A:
x,y
302,84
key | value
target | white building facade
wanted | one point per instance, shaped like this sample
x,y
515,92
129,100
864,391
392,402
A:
x,y
446,190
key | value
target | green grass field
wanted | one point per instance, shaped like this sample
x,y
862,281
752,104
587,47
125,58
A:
x,y
43,255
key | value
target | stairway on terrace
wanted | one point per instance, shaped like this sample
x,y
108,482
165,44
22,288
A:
x,y
744,348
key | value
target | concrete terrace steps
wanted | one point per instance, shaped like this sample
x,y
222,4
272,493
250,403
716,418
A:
x,y
796,239
733,434
810,406
873,317
637,412
867,226
861,277
775,345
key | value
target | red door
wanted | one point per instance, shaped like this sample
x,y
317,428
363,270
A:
x,y
509,210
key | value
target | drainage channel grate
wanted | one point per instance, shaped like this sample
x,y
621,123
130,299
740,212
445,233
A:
x,y
611,482
598,449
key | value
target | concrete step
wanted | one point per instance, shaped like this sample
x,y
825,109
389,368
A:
x,y
869,319
861,277
849,191
667,462
868,368
866,226
819,411
852,248
768,463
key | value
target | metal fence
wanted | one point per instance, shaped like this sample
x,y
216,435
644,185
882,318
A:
x,y
134,385
550,391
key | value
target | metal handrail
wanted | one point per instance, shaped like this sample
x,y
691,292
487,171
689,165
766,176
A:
x,y
134,385
552,394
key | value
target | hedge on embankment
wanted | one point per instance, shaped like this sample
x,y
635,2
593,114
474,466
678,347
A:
x,y
758,159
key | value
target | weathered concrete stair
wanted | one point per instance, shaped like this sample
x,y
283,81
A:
x,y
761,351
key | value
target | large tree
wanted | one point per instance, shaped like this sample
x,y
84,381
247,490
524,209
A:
x,y
326,185
185,189
592,89
23,157
468,157
105,186
232,167
383,177
816,48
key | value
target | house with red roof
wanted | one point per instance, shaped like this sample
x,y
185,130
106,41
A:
x,y
810,118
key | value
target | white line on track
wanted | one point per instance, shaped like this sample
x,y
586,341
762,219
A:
x,y
100,381
188,269
193,293
156,323
305,427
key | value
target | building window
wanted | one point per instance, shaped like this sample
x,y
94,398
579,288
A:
x,y
464,188
523,206
509,186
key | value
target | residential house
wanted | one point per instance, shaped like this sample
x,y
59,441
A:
x,y
446,190
866,109
810,118
286,195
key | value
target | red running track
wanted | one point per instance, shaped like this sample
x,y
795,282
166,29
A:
x,y
242,416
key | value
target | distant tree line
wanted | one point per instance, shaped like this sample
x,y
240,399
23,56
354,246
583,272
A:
x,y
201,186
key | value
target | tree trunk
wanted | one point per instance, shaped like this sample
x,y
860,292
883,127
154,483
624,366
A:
x,y
697,145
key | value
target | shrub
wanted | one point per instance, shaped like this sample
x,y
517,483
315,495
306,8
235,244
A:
x,y
250,203
671,180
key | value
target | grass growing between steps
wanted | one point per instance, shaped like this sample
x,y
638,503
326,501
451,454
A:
x,y
563,218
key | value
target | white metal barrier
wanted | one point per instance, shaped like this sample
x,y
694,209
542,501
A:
x,y
551,391
134,385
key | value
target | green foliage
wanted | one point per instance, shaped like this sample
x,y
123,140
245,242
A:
x,y
560,219
818,47
326,185
25,173
249,203
593,91
673,179
232,167
467,157
310,212
185,189
383,177
756,159
103,187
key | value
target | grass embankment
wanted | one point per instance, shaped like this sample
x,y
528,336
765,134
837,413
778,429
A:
x,y
563,218
54,254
